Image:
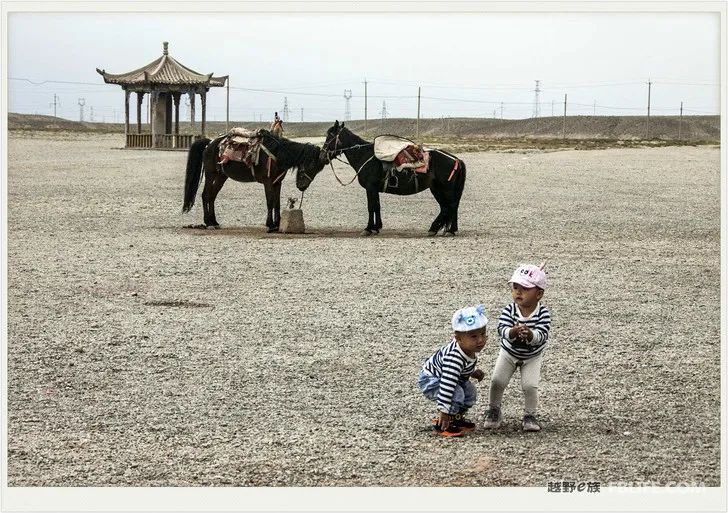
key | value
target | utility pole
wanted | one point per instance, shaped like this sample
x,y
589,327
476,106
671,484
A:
x,y
679,127
649,90
501,110
365,104
595,107
227,106
55,105
552,108
384,112
347,105
536,108
81,103
301,114
563,128
92,114
419,90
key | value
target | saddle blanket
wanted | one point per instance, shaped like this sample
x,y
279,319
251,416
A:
x,y
240,145
405,154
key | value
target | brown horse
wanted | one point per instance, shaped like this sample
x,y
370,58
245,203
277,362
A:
x,y
203,159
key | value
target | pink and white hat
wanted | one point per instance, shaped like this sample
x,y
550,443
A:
x,y
530,276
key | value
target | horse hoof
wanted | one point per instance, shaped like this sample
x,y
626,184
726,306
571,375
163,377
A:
x,y
212,226
275,229
366,233
375,231
431,233
448,234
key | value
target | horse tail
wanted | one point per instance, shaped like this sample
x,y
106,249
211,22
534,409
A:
x,y
194,172
459,182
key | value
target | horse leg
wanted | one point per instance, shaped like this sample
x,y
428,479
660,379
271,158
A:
x,y
452,229
277,205
377,213
370,206
448,204
456,193
214,180
439,221
269,203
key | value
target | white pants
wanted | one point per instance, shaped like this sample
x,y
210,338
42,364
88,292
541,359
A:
x,y
504,368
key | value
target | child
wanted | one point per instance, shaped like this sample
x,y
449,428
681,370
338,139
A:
x,y
444,377
523,327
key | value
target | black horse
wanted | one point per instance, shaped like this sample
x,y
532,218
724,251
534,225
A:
x,y
445,178
306,159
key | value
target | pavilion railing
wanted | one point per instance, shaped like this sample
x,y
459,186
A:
x,y
162,141
138,140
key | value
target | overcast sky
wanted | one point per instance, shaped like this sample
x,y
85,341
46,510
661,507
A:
x,y
466,64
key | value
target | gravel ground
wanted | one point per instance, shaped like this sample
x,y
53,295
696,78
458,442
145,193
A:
x,y
144,353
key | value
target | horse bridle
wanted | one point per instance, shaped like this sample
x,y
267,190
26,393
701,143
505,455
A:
x,y
336,145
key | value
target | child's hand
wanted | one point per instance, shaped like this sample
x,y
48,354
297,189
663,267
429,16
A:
x,y
517,330
527,334
444,421
478,374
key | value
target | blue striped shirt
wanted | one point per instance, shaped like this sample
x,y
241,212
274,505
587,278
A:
x,y
539,323
452,366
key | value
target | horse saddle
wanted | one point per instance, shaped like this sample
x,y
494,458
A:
x,y
240,145
403,153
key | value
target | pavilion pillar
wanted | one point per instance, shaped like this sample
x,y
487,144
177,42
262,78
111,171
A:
x,y
126,117
203,100
192,111
152,116
140,99
176,97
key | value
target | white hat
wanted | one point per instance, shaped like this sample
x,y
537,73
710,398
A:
x,y
469,318
530,276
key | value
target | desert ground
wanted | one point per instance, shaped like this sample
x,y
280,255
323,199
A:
x,y
144,353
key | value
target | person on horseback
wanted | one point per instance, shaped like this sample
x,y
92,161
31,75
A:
x,y
276,128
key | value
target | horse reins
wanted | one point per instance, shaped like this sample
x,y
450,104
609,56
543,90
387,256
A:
x,y
342,150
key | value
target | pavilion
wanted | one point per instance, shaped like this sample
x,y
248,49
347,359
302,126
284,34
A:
x,y
165,80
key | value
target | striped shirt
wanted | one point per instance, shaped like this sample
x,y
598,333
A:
x,y
452,366
539,323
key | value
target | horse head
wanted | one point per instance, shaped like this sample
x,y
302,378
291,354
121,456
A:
x,y
314,161
332,145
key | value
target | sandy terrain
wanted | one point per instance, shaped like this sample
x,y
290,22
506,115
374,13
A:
x,y
141,353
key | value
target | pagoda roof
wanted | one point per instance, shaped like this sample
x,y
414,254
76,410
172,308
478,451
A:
x,y
163,71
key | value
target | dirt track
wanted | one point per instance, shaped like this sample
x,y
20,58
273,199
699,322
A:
x,y
141,353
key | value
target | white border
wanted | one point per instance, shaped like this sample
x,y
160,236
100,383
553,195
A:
x,y
362,499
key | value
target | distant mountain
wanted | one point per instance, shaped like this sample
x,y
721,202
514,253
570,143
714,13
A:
x,y
629,128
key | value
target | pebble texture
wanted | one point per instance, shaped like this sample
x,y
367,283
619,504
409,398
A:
x,y
144,353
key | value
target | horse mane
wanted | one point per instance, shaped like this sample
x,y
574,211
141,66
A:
x,y
358,139
291,154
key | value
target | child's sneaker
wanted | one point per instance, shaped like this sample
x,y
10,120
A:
x,y
530,423
449,432
492,418
463,423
